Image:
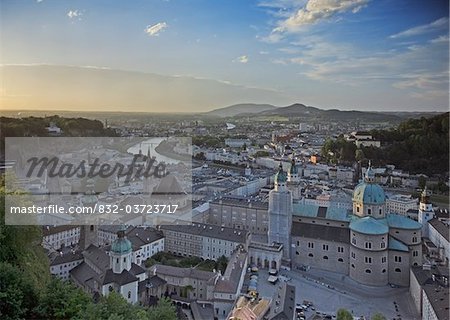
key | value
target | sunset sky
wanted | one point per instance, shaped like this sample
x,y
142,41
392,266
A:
x,y
361,54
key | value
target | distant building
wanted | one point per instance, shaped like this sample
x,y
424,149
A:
x,y
61,263
400,204
429,290
203,240
237,143
60,236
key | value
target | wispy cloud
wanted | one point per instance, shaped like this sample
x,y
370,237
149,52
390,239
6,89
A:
x,y
241,59
154,30
72,14
425,28
317,10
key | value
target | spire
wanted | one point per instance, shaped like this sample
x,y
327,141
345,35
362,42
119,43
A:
x,y
369,177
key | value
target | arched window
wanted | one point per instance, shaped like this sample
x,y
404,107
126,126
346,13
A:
x,y
129,294
310,255
353,266
383,271
341,260
398,270
368,271
325,257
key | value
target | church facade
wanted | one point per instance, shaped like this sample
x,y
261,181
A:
x,y
370,245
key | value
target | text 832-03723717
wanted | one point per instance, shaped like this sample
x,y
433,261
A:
x,y
137,208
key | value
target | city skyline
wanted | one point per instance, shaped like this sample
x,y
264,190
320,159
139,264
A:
x,y
203,55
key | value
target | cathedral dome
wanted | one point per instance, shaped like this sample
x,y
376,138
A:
x,y
121,245
368,192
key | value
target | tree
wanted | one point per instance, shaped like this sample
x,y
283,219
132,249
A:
x,y
378,316
114,306
343,314
62,300
163,311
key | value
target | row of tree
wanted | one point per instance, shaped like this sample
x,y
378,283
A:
x,y
416,145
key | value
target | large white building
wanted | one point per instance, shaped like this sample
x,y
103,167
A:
x,y
400,204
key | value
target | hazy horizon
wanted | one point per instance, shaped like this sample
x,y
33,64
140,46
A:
x,y
174,57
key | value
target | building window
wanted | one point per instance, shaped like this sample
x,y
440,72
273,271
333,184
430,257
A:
x,y
368,271
340,249
369,212
383,271
325,247
414,239
353,266
357,209
129,294
296,252
383,260
311,245
354,240
124,259
353,255
341,260
298,243
383,245
310,255
398,259
368,245
117,260
367,259
398,270
415,253
325,257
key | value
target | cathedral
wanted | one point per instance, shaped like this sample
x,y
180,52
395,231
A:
x,y
368,244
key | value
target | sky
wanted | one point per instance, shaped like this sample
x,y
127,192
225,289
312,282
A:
x,y
363,55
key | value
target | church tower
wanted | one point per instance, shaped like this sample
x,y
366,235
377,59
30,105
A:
x,y
120,255
293,180
280,214
426,212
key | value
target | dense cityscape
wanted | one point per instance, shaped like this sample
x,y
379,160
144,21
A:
x,y
224,160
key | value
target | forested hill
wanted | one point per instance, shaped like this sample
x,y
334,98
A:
x,y
34,126
415,145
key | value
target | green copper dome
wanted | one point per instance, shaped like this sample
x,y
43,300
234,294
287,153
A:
x,y
121,245
368,192
281,176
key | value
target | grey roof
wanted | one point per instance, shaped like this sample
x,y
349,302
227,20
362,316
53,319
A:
x,y
181,272
140,236
440,227
154,282
230,281
285,308
97,257
66,258
436,290
317,231
241,202
84,275
202,311
397,245
209,230
120,278
49,230
135,269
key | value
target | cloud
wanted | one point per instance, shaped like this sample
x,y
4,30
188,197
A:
x,y
154,30
74,14
440,39
317,10
241,59
425,28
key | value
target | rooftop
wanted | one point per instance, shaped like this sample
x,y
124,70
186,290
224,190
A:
x,y
440,227
369,225
322,232
397,245
402,222
209,230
